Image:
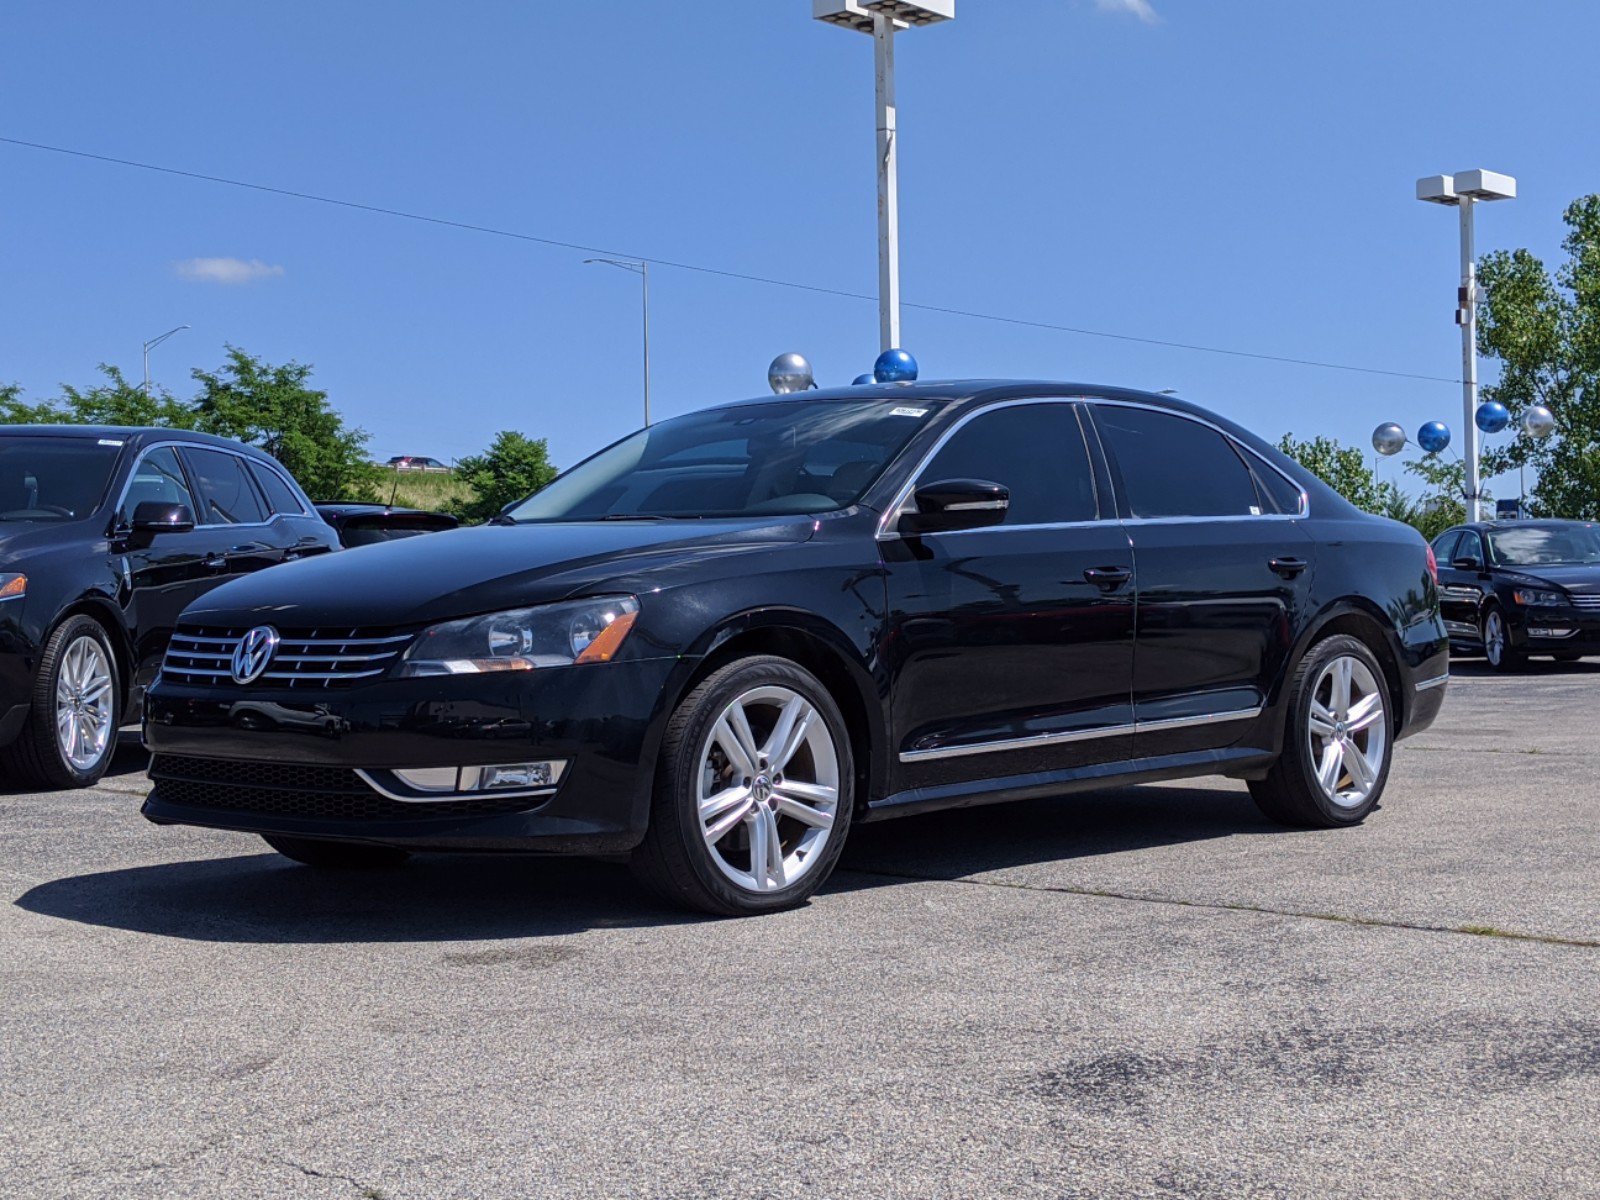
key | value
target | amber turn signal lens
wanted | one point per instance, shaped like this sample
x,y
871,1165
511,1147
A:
x,y
13,587
608,641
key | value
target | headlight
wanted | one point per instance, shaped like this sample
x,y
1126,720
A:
x,y
546,635
1536,598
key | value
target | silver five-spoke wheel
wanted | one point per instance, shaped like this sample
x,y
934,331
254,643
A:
x,y
85,705
768,788
1348,731
1494,638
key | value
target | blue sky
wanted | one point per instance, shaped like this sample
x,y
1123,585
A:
x,y
1229,172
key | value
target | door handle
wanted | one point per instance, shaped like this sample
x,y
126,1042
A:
x,y
1109,578
214,562
1287,567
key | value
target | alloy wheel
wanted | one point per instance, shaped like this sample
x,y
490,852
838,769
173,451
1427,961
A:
x,y
1494,638
1347,731
768,788
85,707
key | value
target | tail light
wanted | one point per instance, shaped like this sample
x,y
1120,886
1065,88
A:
x,y
1433,564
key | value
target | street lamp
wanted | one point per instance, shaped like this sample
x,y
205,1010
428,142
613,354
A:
x,y
883,19
147,347
642,270
1463,191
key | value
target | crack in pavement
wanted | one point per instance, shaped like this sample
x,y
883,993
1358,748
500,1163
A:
x,y
367,1191
1481,931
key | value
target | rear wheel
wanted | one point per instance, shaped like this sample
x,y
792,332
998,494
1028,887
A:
x,y
336,856
753,794
71,731
1337,740
1497,647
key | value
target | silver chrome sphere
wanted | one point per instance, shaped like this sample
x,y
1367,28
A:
x,y
1388,439
1538,421
790,373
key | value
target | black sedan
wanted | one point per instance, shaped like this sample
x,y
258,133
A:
x,y
105,535
365,524
1519,588
718,643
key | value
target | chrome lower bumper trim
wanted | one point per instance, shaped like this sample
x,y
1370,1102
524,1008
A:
x,y
1436,681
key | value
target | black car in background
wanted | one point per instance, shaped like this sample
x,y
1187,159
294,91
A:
x,y
365,524
718,643
105,535
1511,589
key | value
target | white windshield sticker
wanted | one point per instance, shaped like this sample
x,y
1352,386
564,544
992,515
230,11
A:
x,y
908,412
109,442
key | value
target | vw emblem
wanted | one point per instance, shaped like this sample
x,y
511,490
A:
x,y
253,653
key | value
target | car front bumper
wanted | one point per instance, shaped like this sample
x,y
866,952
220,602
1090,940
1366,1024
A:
x,y
286,761
1557,631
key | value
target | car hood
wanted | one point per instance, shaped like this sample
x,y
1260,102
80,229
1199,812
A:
x,y
1574,577
22,540
463,572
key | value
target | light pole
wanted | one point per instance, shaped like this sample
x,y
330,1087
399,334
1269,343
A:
x,y
883,19
642,270
1463,191
147,347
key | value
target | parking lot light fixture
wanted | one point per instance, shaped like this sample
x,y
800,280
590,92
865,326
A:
x,y
1463,191
151,344
883,19
641,268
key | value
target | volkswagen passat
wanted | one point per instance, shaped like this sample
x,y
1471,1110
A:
x,y
718,643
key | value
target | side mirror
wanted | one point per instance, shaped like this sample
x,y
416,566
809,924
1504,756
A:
x,y
1466,563
151,517
954,504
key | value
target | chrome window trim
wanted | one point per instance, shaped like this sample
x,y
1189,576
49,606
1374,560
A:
x,y
892,512
177,445
1078,735
366,777
1435,681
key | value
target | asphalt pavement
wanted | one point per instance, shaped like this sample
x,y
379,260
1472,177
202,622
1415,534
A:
x,y
1142,992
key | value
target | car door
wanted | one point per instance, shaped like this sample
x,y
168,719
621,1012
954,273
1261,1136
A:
x,y
1011,647
164,572
234,511
1223,570
294,527
1461,589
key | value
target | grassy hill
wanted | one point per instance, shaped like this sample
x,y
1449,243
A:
x,y
425,489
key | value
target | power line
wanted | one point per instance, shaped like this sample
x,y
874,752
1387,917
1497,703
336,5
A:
x,y
698,268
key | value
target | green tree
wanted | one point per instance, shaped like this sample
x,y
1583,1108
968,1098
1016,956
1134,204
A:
x,y
1544,329
1343,468
274,407
513,467
1445,483
113,402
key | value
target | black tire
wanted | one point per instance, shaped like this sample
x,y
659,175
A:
x,y
674,860
37,757
1566,658
1507,659
336,856
1290,794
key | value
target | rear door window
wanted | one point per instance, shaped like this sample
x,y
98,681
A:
x,y
280,496
226,492
1174,467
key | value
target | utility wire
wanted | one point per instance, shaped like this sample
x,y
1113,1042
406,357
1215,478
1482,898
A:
x,y
769,281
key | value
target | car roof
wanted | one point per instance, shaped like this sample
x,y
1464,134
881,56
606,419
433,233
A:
x,y
129,433
985,389
1522,523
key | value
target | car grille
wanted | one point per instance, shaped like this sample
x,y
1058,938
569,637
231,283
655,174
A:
x,y
307,792
1589,602
305,658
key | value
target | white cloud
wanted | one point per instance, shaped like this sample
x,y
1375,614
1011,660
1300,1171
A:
x,y
1138,8
226,270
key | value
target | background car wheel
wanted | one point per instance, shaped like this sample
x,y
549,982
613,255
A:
x,y
1338,738
1497,647
753,792
336,856
71,731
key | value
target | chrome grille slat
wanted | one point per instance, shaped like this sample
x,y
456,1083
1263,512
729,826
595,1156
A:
x,y
305,658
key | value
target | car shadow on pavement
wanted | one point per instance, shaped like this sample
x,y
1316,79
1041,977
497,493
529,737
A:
x,y
969,841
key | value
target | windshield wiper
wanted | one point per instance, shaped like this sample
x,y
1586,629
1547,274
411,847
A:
x,y
633,517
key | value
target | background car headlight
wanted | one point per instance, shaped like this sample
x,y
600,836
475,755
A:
x,y
1538,598
522,639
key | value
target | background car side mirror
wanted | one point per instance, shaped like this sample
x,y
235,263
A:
x,y
151,517
956,504
1466,563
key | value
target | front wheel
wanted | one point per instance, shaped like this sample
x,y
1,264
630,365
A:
x,y
336,856
753,794
71,732
1497,647
1338,737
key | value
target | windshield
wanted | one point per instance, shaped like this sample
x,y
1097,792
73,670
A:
x,y
53,478
782,456
1544,545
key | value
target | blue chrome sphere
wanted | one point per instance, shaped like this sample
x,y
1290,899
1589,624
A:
x,y
1434,436
1492,416
861,379
894,366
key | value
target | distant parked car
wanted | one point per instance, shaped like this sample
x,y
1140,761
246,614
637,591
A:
x,y
412,462
1529,587
364,524
105,535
